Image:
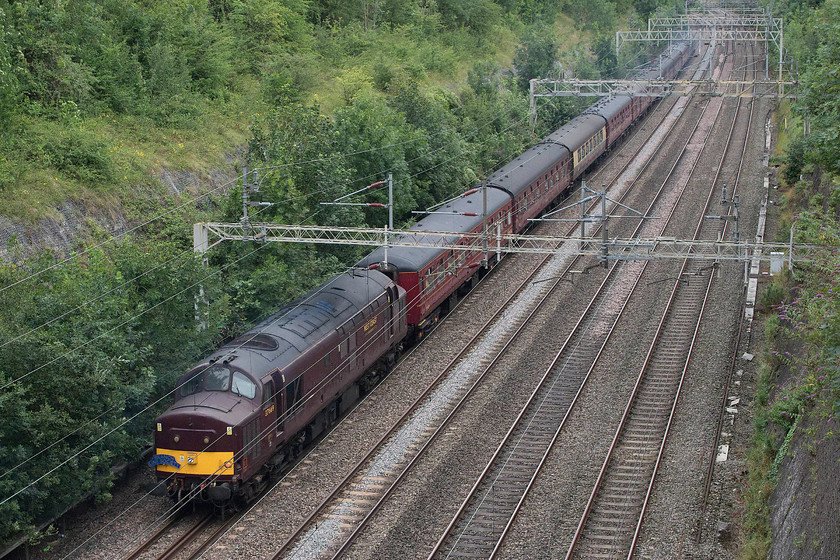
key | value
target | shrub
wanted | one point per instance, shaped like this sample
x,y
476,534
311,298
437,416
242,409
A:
x,y
81,154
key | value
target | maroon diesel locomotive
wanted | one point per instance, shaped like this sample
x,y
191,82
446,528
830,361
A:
x,y
258,400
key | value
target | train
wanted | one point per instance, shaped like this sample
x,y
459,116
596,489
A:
x,y
252,406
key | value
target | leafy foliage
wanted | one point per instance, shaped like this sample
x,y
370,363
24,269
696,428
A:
x,y
537,56
337,95
822,83
813,318
75,390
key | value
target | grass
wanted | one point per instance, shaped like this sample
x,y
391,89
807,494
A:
x,y
760,483
789,126
97,160
100,160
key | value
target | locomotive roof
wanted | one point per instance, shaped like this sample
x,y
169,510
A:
x,y
281,338
412,259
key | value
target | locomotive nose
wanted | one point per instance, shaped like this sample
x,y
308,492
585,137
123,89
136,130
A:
x,y
194,442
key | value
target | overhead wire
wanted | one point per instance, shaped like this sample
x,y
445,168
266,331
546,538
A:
x,y
418,173
301,403
415,174
254,442
309,394
80,428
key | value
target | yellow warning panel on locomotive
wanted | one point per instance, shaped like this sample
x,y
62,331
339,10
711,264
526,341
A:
x,y
197,462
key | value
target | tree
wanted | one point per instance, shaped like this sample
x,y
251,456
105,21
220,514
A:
x,y
822,86
266,26
536,57
70,384
479,15
8,77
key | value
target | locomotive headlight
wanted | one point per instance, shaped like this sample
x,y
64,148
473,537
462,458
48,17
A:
x,y
191,460
176,439
206,439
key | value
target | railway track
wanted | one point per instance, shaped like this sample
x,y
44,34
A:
x,y
612,520
182,541
485,517
362,495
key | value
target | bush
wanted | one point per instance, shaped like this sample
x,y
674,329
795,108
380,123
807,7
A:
x,y
794,160
775,292
81,154
537,55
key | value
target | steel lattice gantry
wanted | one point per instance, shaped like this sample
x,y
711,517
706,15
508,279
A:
x,y
207,235
741,34
758,22
710,27
657,88
753,26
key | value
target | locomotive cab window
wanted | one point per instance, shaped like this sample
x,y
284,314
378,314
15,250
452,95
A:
x,y
219,378
213,378
192,385
243,386
268,393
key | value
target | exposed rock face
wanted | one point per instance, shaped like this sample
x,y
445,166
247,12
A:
x,y
70,226
804,507
61,234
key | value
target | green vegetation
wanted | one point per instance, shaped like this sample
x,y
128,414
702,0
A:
x,y
803,332
100,97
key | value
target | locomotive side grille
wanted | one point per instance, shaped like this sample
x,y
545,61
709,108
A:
x,y
249,434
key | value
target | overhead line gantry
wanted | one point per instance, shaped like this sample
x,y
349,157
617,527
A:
x,y
742,25
208,235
